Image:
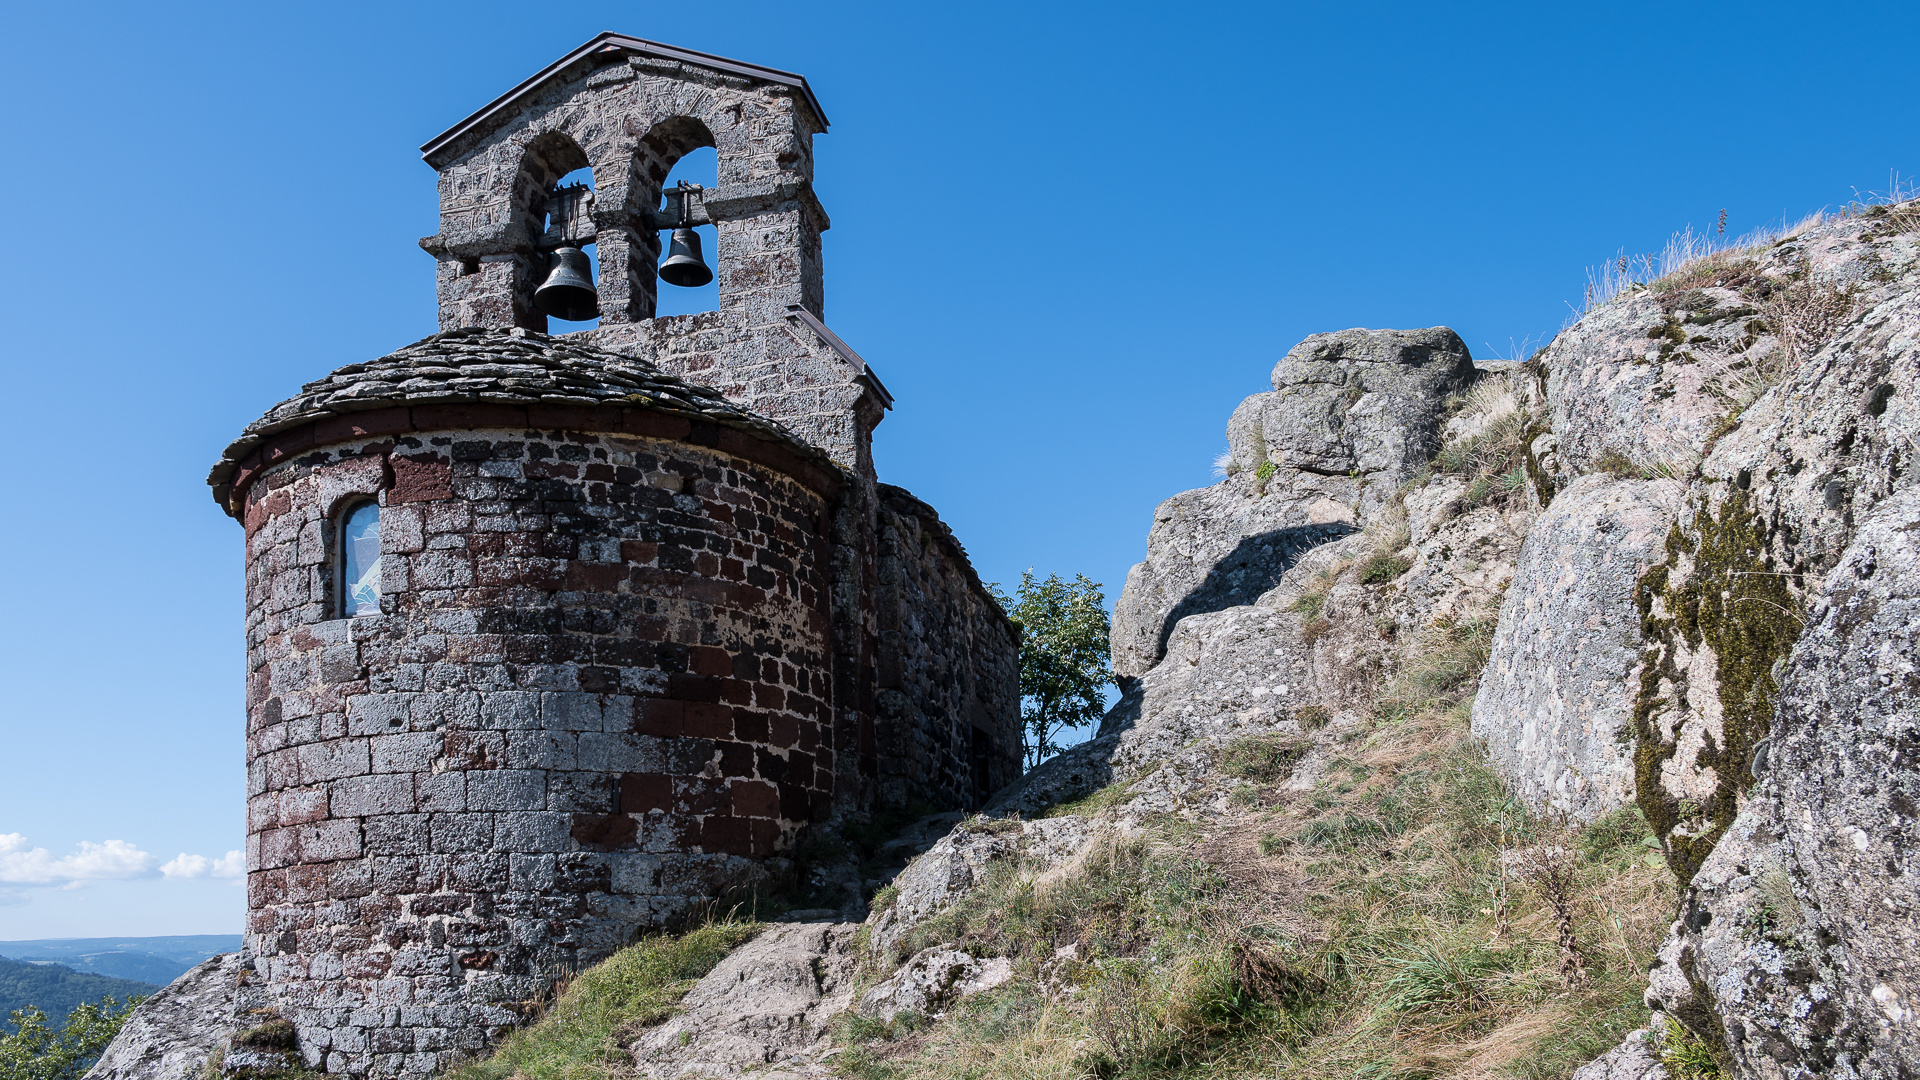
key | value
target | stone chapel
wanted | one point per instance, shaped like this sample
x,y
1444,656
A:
x,y
551,634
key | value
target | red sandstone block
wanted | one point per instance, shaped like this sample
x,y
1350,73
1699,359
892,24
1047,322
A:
x,y
657,716
641,792
770,671
755,798
686,686
571,418
595,577
655,424
795,805
736,759
597,472
769,697
784,729
362,425
638,552
420,478
726,836
749,726
287,444
736,691
468,417
800,768
705,720
707,660
733,569
264,888
809,738
306,884
766,836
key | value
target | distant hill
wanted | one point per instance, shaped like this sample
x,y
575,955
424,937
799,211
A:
x,y
157,960
55,990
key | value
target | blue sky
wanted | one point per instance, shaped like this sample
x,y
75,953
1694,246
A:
x,y
1070,238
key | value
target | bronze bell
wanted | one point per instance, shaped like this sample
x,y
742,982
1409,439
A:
x,y
684,266
568,291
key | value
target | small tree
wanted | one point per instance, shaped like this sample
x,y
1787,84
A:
x,y
1064,643
36,1050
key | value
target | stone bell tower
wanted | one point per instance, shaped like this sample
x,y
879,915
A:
x,y
630,109
550,637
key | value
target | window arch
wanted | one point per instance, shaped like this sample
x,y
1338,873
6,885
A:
x,y
359,560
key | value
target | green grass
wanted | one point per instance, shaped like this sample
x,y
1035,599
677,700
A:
x,y
578,1037
1263,758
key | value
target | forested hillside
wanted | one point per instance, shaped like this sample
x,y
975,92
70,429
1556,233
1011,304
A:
x,y
55,990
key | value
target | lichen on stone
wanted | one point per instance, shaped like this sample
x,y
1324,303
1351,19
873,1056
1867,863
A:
x,y
1720,591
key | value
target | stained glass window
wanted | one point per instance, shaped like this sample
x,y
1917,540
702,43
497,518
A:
x,y
360,561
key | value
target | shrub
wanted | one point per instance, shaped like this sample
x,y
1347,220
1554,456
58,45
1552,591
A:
x,y
36,1050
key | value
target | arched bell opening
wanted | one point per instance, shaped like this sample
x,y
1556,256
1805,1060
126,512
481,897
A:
x,y
569,290
680,270
552,207
677,150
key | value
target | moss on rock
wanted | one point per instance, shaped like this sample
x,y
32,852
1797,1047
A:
x,y
1718,590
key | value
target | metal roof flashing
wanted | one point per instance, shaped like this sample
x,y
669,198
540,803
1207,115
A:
x,y
619,43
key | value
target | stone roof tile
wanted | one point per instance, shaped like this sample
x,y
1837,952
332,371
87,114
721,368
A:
x,y
477,365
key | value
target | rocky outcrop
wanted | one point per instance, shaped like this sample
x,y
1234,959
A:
x,y
934,881
932,980
1351,416
1798,944
764,1010
172,1034
1750,413
1555,704
1635,1059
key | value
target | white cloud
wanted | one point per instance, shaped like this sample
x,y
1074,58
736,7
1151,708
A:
x,y
231,865
115,860
22,864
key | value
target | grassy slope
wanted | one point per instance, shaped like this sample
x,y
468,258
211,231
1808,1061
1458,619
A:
x,y
1370,927
579,1035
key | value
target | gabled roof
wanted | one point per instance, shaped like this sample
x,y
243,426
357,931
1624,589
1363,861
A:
x,y
617,43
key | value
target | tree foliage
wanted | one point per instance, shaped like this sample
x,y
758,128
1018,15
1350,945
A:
x,y
1064,644
36,1050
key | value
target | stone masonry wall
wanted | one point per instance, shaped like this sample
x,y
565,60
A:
x,y
948,703
597,689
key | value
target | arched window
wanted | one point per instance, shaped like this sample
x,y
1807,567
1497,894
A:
x,y
360,560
